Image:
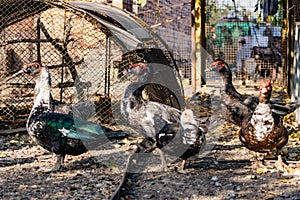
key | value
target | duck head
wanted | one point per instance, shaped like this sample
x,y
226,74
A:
x,y
32,69
265,91
218,65
222,67
43,81
36,70
139,69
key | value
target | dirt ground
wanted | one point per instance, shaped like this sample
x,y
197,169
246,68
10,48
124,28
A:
x,y
24,173
225,173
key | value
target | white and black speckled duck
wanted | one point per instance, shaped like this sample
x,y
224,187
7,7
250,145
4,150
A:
x,y
240,105
60,133
157,121
263,130
147,116
182,140
83,109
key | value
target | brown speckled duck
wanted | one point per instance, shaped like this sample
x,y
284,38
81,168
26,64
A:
x,y
263,130
239,105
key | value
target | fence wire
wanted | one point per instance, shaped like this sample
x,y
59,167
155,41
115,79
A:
x,y
85,61
234,32
75,48
171,20
252,46
71,47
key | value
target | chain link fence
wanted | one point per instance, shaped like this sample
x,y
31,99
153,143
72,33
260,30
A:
x,y
84,46
171,20
235,31
252,46
85,51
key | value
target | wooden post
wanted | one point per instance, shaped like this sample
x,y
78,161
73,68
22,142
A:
x,y
38,35
290,45
198,41
284,42
295,74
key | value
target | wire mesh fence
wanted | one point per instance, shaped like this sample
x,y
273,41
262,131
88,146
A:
x,y
64,42
171,20
252,46
85,58
235,31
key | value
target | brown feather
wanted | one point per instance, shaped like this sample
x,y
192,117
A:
x,y
263,130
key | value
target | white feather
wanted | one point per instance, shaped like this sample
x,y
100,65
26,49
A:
x,y
263,121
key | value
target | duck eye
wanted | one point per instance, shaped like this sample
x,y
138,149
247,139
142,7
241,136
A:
x,y
27,71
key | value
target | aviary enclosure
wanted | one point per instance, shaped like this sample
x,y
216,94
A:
x,y
85,45
236,31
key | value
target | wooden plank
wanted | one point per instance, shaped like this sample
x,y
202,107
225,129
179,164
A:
x,y
12,131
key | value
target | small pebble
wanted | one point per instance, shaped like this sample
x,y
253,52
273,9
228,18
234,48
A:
x,y
231,195
218,184
214,178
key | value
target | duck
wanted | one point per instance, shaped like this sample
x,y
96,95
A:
x,y
147,117
238,106
60,133
263,130
157,121
182,140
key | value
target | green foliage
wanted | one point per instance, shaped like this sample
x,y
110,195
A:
x,y
213,13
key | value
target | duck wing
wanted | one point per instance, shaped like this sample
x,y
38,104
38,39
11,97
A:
x,y
58,132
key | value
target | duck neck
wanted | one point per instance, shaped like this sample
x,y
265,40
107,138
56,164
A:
x,y
145,77
264,99
227,84
42,96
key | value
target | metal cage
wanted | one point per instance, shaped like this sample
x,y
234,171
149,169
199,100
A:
x,y
85,46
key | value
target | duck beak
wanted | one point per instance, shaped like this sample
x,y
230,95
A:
x,y
264,91
211,67
125,72
15,75
20,72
